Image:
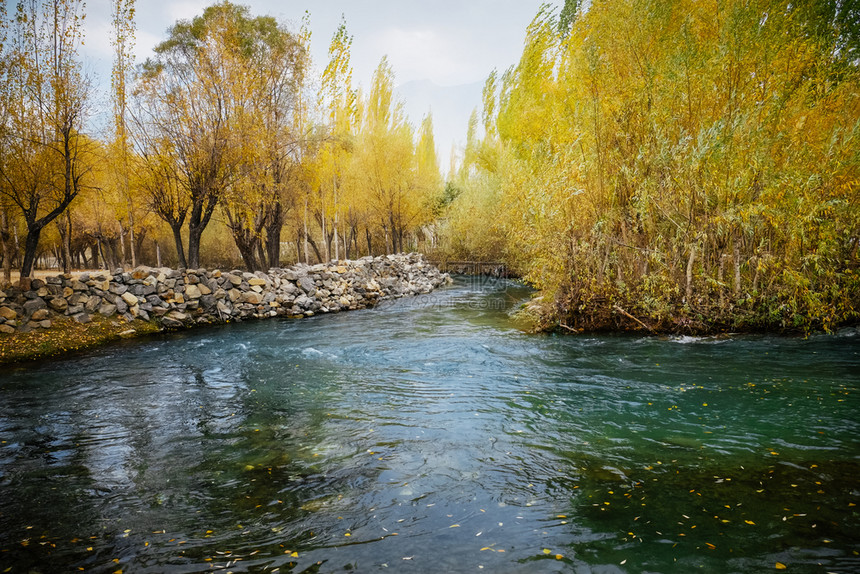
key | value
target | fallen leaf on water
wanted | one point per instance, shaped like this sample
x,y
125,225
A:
x,y
780,566
749,522
546,551
454,526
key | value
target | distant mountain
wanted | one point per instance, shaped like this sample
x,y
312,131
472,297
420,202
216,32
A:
x,y
451,107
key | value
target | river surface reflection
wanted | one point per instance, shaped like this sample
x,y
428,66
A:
x,y
431,435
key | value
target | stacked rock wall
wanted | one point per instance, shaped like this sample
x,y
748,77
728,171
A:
x,y
185,297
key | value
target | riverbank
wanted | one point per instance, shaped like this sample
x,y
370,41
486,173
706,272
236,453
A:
x,y
49,317
606,314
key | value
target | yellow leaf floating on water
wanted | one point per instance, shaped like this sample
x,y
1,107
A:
x,y
780,566
558,556
454,526
546,551
749,522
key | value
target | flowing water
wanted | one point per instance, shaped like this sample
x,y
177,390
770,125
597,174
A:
x,y
431,435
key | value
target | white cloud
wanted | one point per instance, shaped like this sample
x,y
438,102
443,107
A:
x,y
423,54
449,42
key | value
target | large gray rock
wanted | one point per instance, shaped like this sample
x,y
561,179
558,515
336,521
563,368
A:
x,y
130,299
107,309
82,318
307,284
192,291
33,305
93,303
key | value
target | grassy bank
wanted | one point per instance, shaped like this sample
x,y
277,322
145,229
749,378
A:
x,y
67,336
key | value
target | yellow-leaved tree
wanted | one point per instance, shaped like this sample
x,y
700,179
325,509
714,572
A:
x,y
683,165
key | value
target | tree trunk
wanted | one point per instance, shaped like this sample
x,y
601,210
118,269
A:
x,y
690,261
31,244
246,250
313,243
6,238
201,214
131,242
177,239
736,256
273,236
194,235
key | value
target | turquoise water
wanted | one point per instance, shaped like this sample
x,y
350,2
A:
x,y
430,435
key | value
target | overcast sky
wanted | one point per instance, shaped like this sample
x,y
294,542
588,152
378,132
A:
x,y
449,42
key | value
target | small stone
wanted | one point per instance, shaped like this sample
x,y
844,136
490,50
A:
x,y
107,309
121,305
40,315
252,297
223,308
58,304
7,329
129,299
192,291
169,323
7,313
46,324
307,284
33,305
93,303
256,281
82,318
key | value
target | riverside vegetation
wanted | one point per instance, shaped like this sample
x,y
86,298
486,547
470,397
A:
x,y
43,318
684,166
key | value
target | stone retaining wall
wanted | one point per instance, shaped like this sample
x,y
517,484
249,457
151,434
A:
x,y
184,297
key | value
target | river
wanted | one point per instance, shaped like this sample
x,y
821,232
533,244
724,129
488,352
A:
x,y
431,435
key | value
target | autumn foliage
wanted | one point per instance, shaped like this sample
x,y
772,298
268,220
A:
x,y
680,165
228,147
